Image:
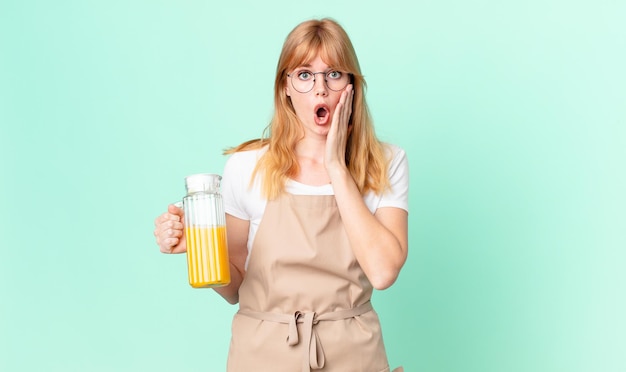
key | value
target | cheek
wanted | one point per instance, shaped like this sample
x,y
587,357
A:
x,y
298,105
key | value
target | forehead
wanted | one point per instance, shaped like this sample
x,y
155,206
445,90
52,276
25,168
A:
x,y
312,56
316,63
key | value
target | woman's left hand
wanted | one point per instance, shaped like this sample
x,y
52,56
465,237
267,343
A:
x,y
337,139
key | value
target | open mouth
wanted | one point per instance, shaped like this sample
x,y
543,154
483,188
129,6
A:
x,y
322,114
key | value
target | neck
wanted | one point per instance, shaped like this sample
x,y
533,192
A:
x,y
311,149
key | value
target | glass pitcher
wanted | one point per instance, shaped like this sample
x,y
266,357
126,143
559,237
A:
x,y
205,231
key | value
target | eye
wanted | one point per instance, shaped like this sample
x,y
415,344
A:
x,y
335,75
304,75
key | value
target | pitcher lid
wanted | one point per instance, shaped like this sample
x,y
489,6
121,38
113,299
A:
x,y
203,182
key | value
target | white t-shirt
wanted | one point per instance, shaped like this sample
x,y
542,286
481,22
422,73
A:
x,y
244,200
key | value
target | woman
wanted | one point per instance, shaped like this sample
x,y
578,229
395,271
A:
x,y
316,215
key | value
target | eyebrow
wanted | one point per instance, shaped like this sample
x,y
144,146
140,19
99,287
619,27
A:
x,y
308,66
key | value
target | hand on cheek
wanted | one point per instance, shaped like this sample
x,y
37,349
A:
x,y
339,130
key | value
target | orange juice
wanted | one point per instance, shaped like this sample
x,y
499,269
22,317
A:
x,y
207,256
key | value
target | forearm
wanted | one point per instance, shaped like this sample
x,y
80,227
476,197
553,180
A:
x,y
379,246
230,292
237,233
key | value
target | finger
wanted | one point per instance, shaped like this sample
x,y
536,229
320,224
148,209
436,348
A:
x,y
351,100
347,104
168,239
169,229
166,217
347,111
168,246
339,116
171,225
160,219
175,210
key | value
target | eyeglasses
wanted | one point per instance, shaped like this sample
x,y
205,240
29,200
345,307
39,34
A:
x,y
303,80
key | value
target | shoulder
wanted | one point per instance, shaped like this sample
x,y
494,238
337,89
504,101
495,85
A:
x,y
242,197
396,156
240,166
398,174
393,150
246,158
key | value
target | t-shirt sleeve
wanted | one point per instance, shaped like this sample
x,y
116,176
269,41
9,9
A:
x,y
398,194
234,184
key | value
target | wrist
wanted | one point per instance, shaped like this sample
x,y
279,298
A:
x,y
338,173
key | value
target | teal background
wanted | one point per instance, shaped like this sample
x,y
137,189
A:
x,y
512,113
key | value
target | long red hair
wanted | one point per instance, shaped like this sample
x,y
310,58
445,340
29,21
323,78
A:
x,y
365,155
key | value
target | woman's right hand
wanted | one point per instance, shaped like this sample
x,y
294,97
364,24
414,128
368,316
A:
x,y
168,230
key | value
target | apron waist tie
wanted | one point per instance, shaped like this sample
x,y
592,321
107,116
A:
x,y
313,357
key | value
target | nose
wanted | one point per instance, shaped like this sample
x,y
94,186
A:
x,y
319,86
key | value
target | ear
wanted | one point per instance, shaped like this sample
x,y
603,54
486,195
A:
x,y
287,89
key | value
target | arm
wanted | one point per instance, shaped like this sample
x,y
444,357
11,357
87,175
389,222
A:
x,y
237,235
379,241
